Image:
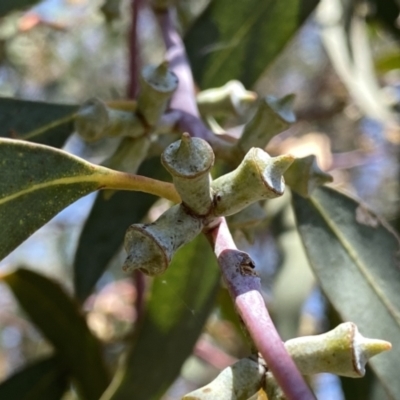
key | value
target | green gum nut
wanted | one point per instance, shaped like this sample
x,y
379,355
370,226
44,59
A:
x,y
232,98
258,177
157,83
150,247
272,117
95,120
342,351
304,175
189,161
237,382
92,120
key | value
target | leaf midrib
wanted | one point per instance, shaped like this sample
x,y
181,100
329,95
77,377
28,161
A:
x,y
70,180
359,264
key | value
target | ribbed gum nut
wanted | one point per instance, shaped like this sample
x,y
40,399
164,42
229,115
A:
x,y
258,177
92,120
95,120
304,175
239,381
150,247
189,161
232,98
342,351
156,87
124,124
272,117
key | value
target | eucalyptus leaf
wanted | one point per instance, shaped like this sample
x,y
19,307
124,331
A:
x,y
239,39
44,379
39,181
179,303
104,230
355,257
58,318
36,121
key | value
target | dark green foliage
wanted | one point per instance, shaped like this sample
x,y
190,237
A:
x,y
44,379
239,39
36,121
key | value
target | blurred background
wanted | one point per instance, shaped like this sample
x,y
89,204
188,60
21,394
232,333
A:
x,y
343,65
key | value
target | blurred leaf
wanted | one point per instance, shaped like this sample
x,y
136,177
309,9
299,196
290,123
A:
x,y
105,228
387,13
60,321
228,312
239,39
7,6
45,379
355,257
39,181
35,121
358,389
179,304
304,175
388,62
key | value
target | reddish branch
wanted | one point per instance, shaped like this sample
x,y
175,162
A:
x,y
184,98
245,289
133,90
134,59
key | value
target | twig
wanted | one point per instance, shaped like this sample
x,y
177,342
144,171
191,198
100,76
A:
x,y
184,98
134,59
133,90
245,290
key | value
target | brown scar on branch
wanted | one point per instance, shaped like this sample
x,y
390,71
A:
x,y
247,266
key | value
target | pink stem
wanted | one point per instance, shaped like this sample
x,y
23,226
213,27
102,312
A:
x,y
245,290
133,90
184,98
134,59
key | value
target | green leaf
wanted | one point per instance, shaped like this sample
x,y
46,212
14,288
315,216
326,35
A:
x,y
104,230
388,62
36,183
39,181
44,379
36,121
179,303
239,39
355,257
59,319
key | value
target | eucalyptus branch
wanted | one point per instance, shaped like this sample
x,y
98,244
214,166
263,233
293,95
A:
x,y
134,52
184,98
247,298
245,290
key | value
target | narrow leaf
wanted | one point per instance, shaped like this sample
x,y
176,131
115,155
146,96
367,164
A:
x,y
179,303
36,121
355,257
104,230
60,321
239,39
44,379
39,181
